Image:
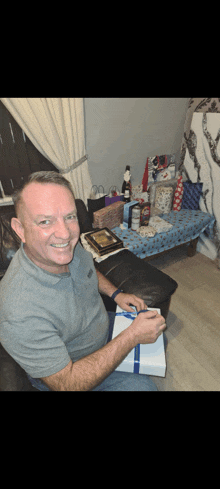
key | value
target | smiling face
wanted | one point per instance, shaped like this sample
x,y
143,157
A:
x,y
47,225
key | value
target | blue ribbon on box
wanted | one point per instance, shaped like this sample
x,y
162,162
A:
x,y
128,315
136,359
132,315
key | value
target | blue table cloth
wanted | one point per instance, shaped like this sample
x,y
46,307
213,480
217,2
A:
x,y
187,225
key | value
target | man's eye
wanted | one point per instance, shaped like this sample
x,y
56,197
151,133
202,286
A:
x,y
45,222
72,217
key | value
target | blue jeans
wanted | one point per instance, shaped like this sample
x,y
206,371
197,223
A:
x,y
117,381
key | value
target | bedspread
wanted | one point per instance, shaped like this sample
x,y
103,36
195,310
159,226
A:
x,y
187,225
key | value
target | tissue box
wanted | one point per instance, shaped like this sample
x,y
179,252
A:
x,y
110,216
143,359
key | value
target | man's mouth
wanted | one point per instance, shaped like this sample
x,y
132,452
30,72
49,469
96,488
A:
x,y
60,245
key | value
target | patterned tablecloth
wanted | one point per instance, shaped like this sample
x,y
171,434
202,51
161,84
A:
x,y
187,225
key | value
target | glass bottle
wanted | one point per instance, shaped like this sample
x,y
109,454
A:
x,y
127,181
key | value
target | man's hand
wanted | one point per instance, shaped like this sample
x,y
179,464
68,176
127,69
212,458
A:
x,y
147,326
123,300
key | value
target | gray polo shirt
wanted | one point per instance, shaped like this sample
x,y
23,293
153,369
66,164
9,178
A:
x,y
46,319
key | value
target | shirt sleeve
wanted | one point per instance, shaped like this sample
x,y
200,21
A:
x,y
35,345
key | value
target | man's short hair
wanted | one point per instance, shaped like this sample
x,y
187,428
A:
x,y
41,177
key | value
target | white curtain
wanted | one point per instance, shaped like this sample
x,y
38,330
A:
x,y
200,161
56,127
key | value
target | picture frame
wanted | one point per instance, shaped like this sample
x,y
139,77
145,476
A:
x,y
104,241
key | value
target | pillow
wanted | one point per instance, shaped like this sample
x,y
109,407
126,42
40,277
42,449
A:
x,y
191,195
178,194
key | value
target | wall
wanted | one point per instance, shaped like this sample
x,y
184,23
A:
x,y
122,131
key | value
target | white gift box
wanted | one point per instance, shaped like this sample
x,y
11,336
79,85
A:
x,y
143,359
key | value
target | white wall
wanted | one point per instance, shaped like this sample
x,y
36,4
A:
x,y
122,131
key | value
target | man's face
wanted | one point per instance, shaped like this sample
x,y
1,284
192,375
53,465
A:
x,y
49,226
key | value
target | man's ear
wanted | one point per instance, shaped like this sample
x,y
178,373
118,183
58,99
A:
x,y
17,226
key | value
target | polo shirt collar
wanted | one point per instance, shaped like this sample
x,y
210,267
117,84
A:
x,y
41,275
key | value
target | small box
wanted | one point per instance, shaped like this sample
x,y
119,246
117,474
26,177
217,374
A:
x,y
110,216
143,359
127,213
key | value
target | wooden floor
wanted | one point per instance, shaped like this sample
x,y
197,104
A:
x,y
193,323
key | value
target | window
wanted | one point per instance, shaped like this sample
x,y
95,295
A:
x,y
18,155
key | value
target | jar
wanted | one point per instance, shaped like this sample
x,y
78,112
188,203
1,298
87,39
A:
x,y
135,218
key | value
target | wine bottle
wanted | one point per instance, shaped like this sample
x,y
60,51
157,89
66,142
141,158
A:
x,y
127,181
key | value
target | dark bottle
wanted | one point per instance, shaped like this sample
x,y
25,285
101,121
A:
x,y
127,181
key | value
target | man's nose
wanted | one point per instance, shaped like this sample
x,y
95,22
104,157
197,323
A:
x,y
62,230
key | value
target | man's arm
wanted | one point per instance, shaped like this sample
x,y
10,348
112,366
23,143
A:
x,y
90,371
123,300
105,286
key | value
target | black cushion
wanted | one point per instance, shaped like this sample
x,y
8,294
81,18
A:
x,y
133,275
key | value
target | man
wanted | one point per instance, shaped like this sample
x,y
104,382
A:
x,y
52,318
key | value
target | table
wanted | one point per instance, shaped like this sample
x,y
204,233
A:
x,y
187,226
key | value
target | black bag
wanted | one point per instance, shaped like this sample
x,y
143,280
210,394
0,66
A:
x,y
97,201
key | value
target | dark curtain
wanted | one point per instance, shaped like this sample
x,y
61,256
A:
x,y
18,155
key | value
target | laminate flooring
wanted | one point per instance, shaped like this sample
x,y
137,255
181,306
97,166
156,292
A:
x,y
193,323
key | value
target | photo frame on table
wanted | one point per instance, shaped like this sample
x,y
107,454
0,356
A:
x,y
161,196
104,241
